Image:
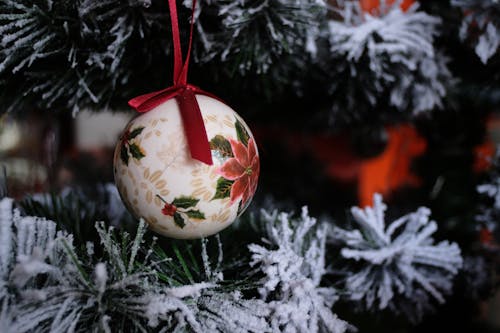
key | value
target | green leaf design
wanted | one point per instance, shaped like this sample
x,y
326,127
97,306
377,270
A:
x,y
135,132
241,132
222,145
223,189
124,154
136,151
179,220
195,214
185,202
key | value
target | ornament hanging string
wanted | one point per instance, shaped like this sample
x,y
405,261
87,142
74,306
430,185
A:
x,y
183,92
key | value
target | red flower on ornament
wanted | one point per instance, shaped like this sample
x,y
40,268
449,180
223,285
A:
x,y
243,169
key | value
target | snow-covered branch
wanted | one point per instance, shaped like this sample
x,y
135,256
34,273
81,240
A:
x,y
400,267
388,55
481,24
255,35
293,264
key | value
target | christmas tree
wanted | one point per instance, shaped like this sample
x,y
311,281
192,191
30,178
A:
x,y
378,192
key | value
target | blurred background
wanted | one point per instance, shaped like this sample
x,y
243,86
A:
x,y
354,98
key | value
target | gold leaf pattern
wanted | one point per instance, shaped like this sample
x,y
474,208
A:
x,y
154,177
158,202
151,220
207,195
197,182
163,227
221,217
198,192
160,184
123,189
227,123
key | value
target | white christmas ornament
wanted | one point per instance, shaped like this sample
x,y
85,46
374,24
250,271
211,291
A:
x,y
178,196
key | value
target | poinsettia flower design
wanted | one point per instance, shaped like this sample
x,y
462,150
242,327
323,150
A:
x,y
243,169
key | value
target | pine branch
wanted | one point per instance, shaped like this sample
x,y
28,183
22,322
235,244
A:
x,y
481,26
389,63
129,283
68,55
398,266
76,210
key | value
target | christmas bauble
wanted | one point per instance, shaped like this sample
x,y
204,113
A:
x,y
178,196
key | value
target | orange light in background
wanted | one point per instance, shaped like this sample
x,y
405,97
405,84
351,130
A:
x,y
486,236
482,156
484,152
372,6
391,169
385,173
336,154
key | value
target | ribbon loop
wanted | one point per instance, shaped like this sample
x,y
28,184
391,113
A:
x,y
147,102
184,94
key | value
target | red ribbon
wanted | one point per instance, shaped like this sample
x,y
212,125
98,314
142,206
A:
x,y
183,92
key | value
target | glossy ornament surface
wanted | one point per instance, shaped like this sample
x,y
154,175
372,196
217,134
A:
x,y
178,196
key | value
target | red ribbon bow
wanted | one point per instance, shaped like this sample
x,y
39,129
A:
x,y
183,92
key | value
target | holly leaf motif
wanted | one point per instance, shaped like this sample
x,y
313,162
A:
x,y
135,132
179,220
124,154
222,145
223,189
136,151
195,214
241,132
185,202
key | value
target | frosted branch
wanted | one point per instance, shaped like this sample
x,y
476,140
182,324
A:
x,y
400,264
